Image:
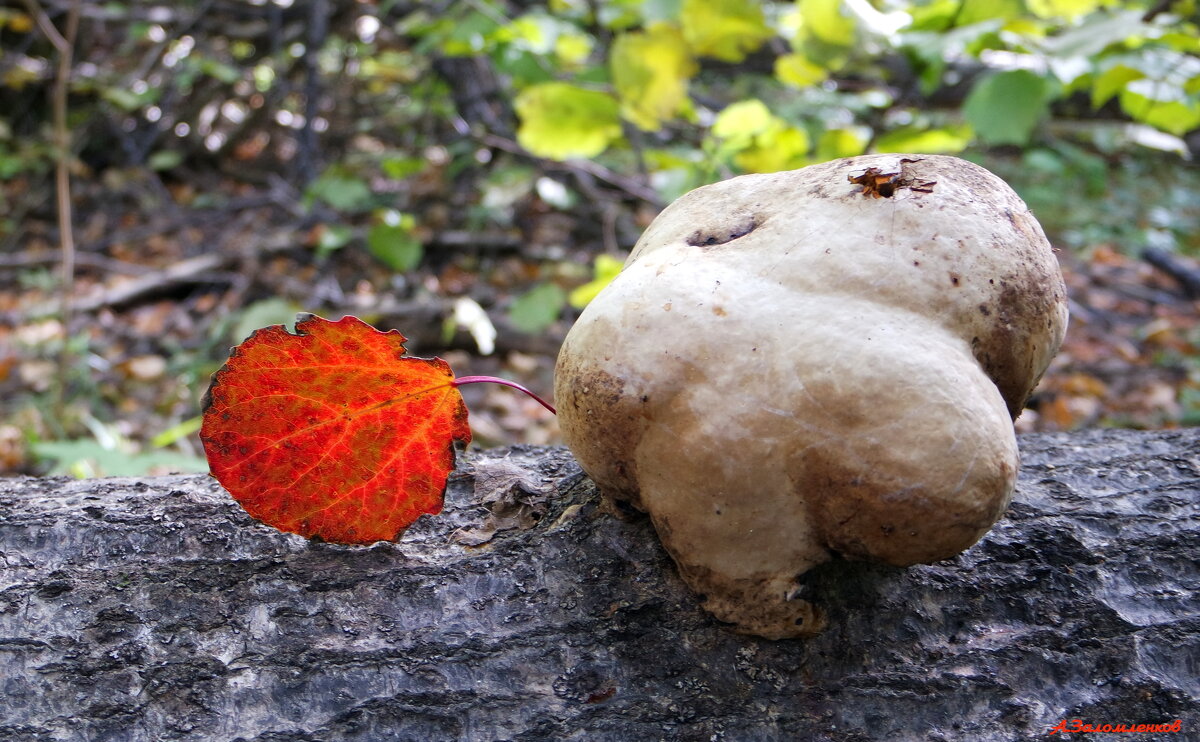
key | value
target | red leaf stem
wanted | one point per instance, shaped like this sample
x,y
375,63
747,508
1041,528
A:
x,y
503,382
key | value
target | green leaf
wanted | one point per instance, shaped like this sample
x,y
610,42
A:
x,y
1004,107
1097,33
390,67
675,172
524,67
917,140
464,37
220,71
651,70
1181,42
937,15
333,237
1161,106
263,313
341,190
724,29
164,159
604,270
537,309
126,100
1168,97
391,241
87,458
400,167
534,32
618,15
180,430
654,10
560,121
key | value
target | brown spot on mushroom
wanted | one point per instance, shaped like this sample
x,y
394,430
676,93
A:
x,y
1007,353
719,311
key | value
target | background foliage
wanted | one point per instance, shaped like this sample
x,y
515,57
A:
x,y
472,171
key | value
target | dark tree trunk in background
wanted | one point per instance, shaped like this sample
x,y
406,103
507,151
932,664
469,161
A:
x,y
157,610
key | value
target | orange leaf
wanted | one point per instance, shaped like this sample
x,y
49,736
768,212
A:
x,y
333,432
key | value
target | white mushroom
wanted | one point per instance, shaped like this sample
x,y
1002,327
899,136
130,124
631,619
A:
x,y
812,362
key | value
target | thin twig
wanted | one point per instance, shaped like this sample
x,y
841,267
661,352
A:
x,y
27,259
64,43
627,184
46,26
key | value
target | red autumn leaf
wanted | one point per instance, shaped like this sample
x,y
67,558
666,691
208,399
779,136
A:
x,y
333,432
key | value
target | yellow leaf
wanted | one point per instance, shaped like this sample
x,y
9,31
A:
x,y
1030,28
797,71
560,121
18,76
838,143
530,30
605,270
758,140
572,50
742,121
16,21
650,70
781,147
825,20
1068,9
925,141
725,29
1112,81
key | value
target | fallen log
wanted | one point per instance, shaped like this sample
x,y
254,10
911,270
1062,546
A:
x,y
156,609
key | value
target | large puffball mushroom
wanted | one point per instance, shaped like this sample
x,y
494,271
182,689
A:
x,y
813,362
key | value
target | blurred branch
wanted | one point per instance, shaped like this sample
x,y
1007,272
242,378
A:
x,y
1186,275
318,34
629,185
1160,7
64,44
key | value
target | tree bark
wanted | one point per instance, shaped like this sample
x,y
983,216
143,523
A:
x,y
156,609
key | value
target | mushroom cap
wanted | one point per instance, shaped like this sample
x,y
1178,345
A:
x,y
791,365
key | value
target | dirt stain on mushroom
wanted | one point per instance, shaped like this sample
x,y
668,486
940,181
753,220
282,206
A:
x,y
739,225
615,423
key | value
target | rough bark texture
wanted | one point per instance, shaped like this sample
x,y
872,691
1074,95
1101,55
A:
x,y
157,610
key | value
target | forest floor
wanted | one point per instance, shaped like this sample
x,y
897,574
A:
x,y
167,278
